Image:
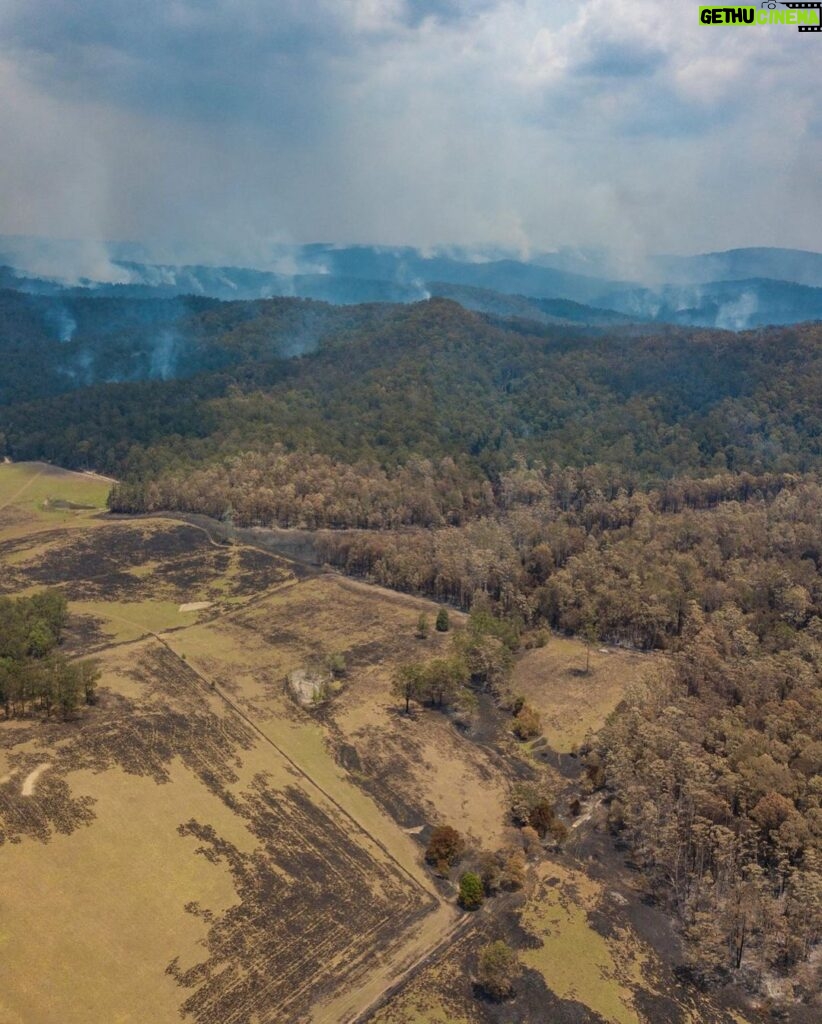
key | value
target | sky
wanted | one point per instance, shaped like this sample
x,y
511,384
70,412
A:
x,y
223,128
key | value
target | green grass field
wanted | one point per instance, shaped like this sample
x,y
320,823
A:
x,y
40,490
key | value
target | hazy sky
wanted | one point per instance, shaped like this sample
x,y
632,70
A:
x,y
226,125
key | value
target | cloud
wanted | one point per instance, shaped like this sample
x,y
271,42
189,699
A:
x,y
225,127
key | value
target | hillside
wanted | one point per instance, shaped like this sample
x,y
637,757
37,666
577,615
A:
x,y
434,381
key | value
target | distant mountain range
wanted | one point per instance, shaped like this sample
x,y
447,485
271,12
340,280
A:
x,y
732,290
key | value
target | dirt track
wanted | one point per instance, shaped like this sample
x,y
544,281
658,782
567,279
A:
x,y
31,779
22,490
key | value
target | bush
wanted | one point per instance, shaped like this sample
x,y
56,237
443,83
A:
x,y
337,665
498,969
422,626
442,623
490,871
542,817
527,723
445,847
513,875
531,841
471,891
525,798
559,831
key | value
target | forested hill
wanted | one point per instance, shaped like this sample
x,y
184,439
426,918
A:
x,y
380,385
53,344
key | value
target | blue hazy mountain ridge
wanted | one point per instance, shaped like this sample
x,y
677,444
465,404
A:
x,y
733,290
523,307
726,305
796,265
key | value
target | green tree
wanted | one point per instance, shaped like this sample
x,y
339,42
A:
x,y
40,639
442,624
89,677
68,688
407,684
443,678
471,891
422,626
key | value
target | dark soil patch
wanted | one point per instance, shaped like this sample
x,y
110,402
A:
x,y
84,633
534,1001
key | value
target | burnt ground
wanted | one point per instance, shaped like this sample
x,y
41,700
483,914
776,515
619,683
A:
x,y
99,564
627,901
264,952
298,547
85,634
666,995
314,908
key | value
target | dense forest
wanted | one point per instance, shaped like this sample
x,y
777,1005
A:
x,y
387,385
656,487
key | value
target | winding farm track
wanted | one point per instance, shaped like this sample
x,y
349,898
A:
x,y
31,779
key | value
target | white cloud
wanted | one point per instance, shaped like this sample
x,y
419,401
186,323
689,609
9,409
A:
x,y
232,124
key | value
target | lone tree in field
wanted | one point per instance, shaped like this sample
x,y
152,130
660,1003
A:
x,y
407,684
89,677
471,891
442,624
422,626
497,970
590,635
445,847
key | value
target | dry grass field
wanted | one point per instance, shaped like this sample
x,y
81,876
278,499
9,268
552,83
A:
x,y
199,846
574,702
